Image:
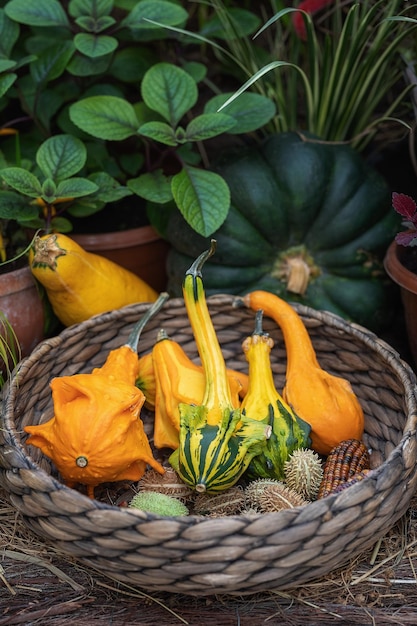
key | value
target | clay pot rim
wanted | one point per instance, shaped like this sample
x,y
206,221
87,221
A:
x,y
17,279
117,239
396,270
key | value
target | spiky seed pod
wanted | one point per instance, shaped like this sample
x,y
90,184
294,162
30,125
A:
x,y
303,472
278,497
229,502
250,510
256,488
169,484
344,461
158,503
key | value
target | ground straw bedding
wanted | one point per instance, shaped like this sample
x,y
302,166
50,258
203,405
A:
x,y
39,585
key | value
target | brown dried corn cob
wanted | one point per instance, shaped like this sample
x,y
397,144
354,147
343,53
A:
x,y
356,478
345,460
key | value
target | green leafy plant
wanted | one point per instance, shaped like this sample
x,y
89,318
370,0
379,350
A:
x,y
45,194
164,116
78,38
50,53
340,83
101,68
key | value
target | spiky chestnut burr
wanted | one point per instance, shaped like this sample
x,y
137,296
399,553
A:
x,y
279,497
229,502
255,488
169,484
158,503
303,472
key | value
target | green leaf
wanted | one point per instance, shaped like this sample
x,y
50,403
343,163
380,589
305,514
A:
x,y
202,197
81,65
209,125
95,45
198,71
84,207
61,224
7,64
6,82
95,9
155,187
37,12
159,131
92,25
14,207
49,190
108,188
250,111
161,11
169,90
105,117
75,188
61,156
22,181
51,63
238,23
9,34
130,64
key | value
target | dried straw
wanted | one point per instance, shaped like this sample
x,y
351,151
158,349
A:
x,y
39,584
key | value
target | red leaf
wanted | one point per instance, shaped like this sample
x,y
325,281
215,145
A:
x,y
309,6
405,239
404,205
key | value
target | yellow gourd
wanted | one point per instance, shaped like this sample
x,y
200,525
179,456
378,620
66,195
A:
x,y
239,381
80,284
179,380
216,442
324,401
264,403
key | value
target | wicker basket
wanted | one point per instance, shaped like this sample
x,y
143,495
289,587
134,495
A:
x,y
228,555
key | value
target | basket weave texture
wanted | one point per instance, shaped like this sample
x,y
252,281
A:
x,y
233,555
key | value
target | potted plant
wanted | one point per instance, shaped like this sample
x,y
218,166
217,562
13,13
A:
x,y
30,199
401,264
53,54
301,223
92,61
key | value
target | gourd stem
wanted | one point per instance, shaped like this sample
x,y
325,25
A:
x,y
134,336
298,275
196,268
258,323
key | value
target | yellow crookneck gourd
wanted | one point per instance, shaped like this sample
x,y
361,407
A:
x,y
80,284
216,442
263,402
177,380
324,401
96,434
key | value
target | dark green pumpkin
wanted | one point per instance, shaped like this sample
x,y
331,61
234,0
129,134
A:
x,y
303,199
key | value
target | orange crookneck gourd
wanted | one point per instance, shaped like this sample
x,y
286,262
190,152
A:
x,y
96,434
324,401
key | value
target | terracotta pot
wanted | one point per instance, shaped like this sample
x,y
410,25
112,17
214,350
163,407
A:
x,y
140,250
407,282
22,305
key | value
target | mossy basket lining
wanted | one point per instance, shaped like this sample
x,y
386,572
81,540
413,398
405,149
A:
x,y
233,555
